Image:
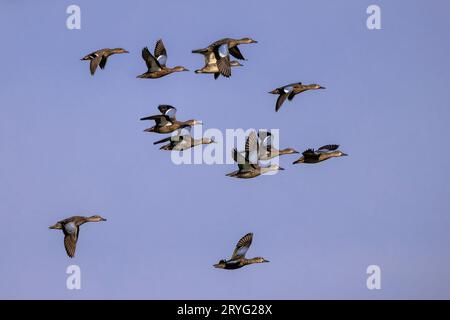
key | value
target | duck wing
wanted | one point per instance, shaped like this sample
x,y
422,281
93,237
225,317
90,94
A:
x,y
70,242
280,101
168,110
95,62
102,63
160,53
242,161
242,246
160,119
251,148
235,52
152,64
328,147
223,59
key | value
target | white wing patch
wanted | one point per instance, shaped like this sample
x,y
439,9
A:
x,y
223,50
288,89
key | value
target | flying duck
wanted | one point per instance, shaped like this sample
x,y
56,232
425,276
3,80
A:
x,y
182,142
100,57
323,153
156,64
222,49
291,90
166,122
265,150
238,259
248,165
71,230
211,65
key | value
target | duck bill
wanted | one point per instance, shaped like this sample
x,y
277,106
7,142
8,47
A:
x,y
274,91
344,154
280,168
266,260
322,87
103,219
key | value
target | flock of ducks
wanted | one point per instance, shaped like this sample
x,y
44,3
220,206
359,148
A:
x,y
258,145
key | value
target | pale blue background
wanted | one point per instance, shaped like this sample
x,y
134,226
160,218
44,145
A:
x,y
73,144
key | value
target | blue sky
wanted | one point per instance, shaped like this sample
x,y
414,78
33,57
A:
x,y
72,144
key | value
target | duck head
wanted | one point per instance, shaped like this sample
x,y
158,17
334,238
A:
x,y
234,63
180,68
259,260
317,86
221,265
247,40
96,218
289,151
208,140
193,122
341,154
56,226
120,50
275,167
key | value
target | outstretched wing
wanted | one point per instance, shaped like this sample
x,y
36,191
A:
x,y
242,162
160,53
308,153
280,101
95,62
152,64
251,148
242,246
235,52
160,119
70,242
223,59
329,147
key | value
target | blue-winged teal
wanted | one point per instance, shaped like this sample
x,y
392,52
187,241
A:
x,y
166,122
322,154
265,150
291,90
211,65
156,64
248,162
238,259
182,142
222,49
71,230
99,57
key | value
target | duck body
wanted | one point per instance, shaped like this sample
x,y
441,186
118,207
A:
x,y
326,152
182,142
156,64
166,122
222,49
71,228
238,259
249,168
100,57
291,90
211,65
